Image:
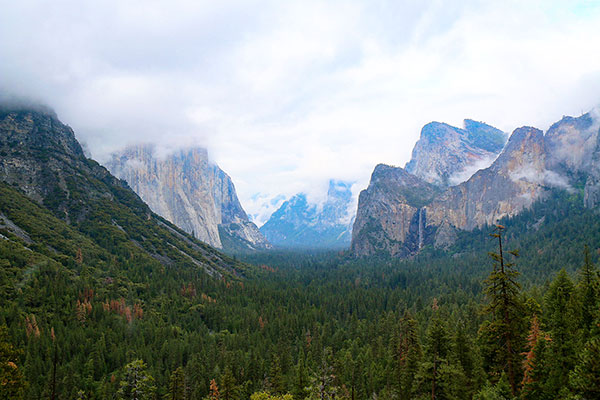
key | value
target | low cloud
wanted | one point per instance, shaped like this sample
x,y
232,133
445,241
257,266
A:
x,y
287,95
544,177
471,169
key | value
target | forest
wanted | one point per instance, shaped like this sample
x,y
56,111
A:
x,y
509,312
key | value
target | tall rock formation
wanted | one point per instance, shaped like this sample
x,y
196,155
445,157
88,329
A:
x,y
530,164
390,217
446,155
300,224
189,190
83,210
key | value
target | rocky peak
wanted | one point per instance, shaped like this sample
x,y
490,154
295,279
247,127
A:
x,y
571,142
525,150
299,223
446,155
192,192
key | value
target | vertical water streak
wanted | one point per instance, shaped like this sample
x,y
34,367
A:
x,y
421,222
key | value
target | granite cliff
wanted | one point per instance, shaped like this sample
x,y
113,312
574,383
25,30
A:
x,y
78,210
445,155
530,164
189,190
297,223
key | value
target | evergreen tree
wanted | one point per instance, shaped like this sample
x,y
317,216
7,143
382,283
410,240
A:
x,y
588,289
585,378
177,385
12,381
137,383
535,366
229,388
437,378
276,381
407,354
505,330
562,324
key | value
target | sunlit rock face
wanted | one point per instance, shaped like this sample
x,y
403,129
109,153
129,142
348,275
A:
x,y
189,190
389,221
446,155
510,184
300,224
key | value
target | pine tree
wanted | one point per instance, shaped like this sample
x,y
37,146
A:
x,y
229,388
276,383
535,367
177,385
588,288
407,354
137,383
585,378
505,330
562,324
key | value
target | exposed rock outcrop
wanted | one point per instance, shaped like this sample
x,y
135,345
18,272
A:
x,y
189,190
389,219
530,164
300,224
446,155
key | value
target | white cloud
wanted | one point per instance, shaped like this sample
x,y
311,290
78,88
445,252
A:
x,y
287,95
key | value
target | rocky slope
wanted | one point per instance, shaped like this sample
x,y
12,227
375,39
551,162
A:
x,y
189,190
445,155
100,217
300,224
390,217
531,163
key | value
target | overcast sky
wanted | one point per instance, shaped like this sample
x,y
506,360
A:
x,y
288,94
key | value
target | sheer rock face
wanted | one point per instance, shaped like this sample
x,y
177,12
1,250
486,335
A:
x,y
389,220
529,166
445,155
191,192
300,224
511,183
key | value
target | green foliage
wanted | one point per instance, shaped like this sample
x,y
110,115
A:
x,y
12,381
137,384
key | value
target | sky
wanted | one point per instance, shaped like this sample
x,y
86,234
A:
x,y
287,95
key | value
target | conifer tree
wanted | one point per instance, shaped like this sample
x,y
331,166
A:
x,y
562,324
505,330
177,385
407,354
229,388
588,288
585,378
12,381
137,383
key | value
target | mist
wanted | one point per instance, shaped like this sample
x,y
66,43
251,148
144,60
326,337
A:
x,y
288,95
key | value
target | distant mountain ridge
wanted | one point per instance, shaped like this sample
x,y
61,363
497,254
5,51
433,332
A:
x,y
300,224
531,163
192,192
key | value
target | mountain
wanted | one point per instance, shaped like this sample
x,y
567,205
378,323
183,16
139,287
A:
x,y
389,218
192,192
445,155
300,224
67,207
530,165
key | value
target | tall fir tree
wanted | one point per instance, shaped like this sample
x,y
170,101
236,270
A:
x,y
562,323
505,330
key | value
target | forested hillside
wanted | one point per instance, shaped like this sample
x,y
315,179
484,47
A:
x,y
320,325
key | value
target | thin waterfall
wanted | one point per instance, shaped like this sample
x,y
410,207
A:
x,y
421,224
